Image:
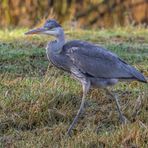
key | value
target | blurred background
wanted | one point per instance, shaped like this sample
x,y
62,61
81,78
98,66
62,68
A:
x,y
81,13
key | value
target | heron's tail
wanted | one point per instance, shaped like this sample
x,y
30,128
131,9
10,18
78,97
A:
x,y
138,75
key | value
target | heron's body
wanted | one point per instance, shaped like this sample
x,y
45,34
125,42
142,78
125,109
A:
x,y
91,65
101,67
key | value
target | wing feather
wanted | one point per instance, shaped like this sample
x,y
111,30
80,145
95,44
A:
x,y
97,61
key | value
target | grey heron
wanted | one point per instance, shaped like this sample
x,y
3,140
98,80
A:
x,y
91,65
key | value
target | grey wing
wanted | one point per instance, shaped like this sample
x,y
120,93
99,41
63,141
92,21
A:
x,y
99,62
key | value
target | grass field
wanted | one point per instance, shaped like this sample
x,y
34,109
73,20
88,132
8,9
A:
x,y
38,102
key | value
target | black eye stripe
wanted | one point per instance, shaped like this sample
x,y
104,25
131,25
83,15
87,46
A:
x,y
49,27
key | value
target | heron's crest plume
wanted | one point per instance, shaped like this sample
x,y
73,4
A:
x,y
51,23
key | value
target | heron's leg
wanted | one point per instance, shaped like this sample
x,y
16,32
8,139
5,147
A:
x,y
86,87
121,116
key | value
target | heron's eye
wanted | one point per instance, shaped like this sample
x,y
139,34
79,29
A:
x,y
46,27
52,29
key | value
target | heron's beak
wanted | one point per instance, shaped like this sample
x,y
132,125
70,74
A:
x,y
36,31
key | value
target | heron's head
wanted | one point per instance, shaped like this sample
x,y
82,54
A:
x,y
51,27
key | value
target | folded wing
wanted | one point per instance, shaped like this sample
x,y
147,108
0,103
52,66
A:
x,y
99,62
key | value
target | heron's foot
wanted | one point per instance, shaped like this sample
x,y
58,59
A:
x,y
80,112
123,119
69,132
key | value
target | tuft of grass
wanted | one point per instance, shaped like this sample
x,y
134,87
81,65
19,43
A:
x,y
38,102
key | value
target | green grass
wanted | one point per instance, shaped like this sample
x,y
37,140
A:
x,y
38,102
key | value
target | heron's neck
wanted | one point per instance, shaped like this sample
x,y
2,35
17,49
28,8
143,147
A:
x,y
61,40
58,45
